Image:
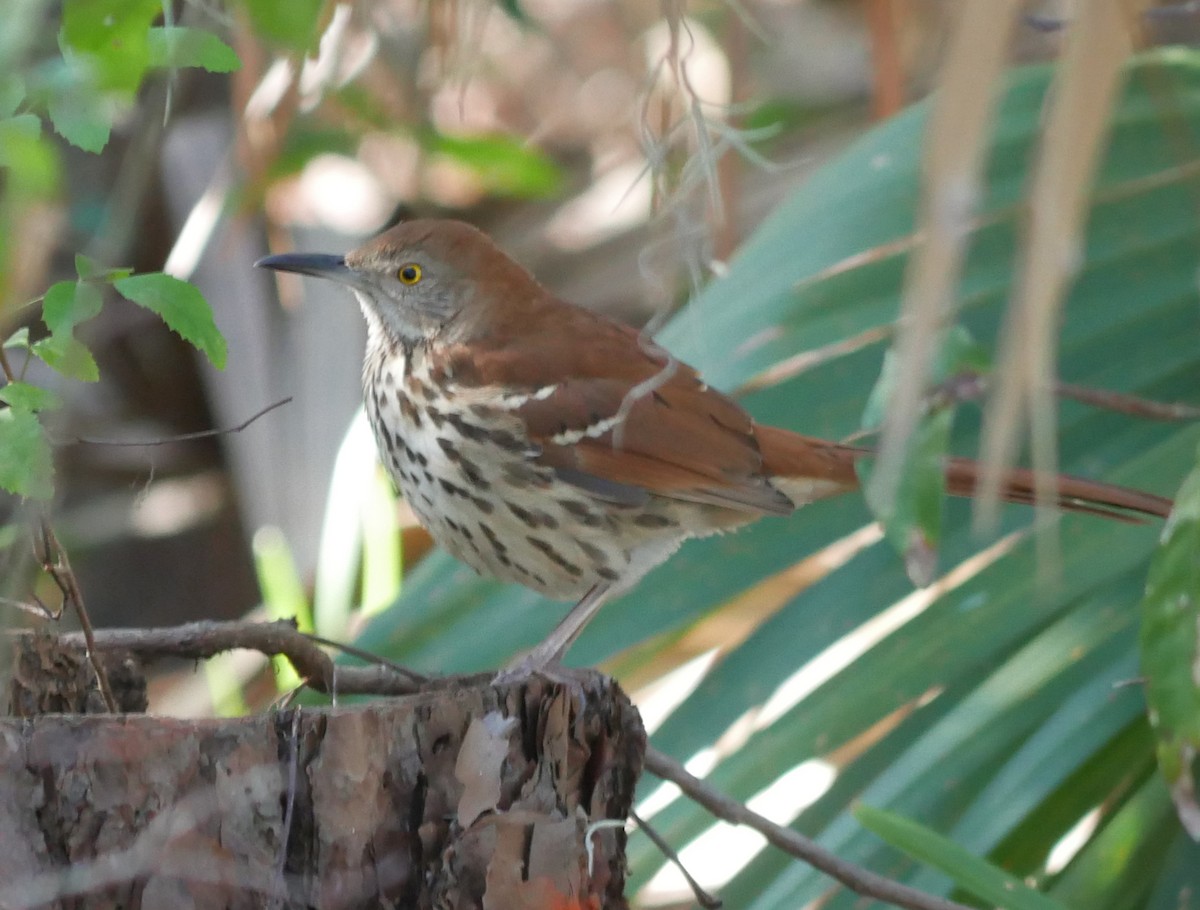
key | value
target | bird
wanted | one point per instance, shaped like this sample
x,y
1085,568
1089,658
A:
x,y
548,445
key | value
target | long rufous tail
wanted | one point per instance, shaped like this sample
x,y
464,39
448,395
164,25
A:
x,y
801,460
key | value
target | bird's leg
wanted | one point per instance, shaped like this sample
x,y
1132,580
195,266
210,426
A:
x,y
549,654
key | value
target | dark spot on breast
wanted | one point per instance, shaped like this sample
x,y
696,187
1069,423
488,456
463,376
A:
x,y
408,409
507,440
416,388
581,513
519,472
496,542
453,489
554,556
448,448
436,417
388,379
607,574
469,430
592,552
483,505
650,520
472,474
483,411
524,514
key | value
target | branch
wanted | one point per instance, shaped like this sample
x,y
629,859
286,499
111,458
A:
x,y
201,640
56,564
1128,404
856,878
185,437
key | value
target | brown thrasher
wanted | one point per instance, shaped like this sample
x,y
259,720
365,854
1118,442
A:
x,y
544,444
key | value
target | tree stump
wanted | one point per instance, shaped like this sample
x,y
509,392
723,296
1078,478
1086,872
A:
x,y
464,796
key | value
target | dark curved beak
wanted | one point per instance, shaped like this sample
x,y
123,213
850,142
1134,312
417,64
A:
x,y
319,265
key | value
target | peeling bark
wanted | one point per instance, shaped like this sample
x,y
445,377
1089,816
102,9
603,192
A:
x,y
469,796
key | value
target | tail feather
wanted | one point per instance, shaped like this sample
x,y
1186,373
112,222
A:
x,y
805,469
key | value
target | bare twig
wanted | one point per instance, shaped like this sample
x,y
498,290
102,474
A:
x,y
186,437
56,564
1132,405
703,898
856,878
200,640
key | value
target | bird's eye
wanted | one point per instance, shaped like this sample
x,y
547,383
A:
x,y
409,274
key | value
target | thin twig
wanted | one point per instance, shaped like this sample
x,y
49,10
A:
x,y
856,878
201,640
1129,404
185,437
56,564
703,898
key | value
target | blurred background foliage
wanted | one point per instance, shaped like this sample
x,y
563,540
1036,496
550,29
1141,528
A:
x,y
765,171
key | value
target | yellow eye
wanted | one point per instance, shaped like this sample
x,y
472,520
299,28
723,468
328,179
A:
x,y
409,274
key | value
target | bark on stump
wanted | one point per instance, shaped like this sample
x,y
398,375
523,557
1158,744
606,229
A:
x,y
467,796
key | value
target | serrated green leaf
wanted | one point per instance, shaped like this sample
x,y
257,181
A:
x,y
68,303
504,164
27,397
181,306
112,35
292,23
1170,649
82,117
180,46
970,872
27,467
65,353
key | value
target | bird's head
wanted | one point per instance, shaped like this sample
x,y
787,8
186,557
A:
x,y
425,280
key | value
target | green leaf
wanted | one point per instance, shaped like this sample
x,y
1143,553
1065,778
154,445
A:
x,y
112,35
303,143
181,306
180,46
970,872
18,339
32,162
1170,648
12,93
68,303
292,23
65,353
27,468
912,517
88,268
81,116
26,397
505,165
283,593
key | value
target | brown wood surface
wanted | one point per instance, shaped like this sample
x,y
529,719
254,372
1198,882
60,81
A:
x,y
468,795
